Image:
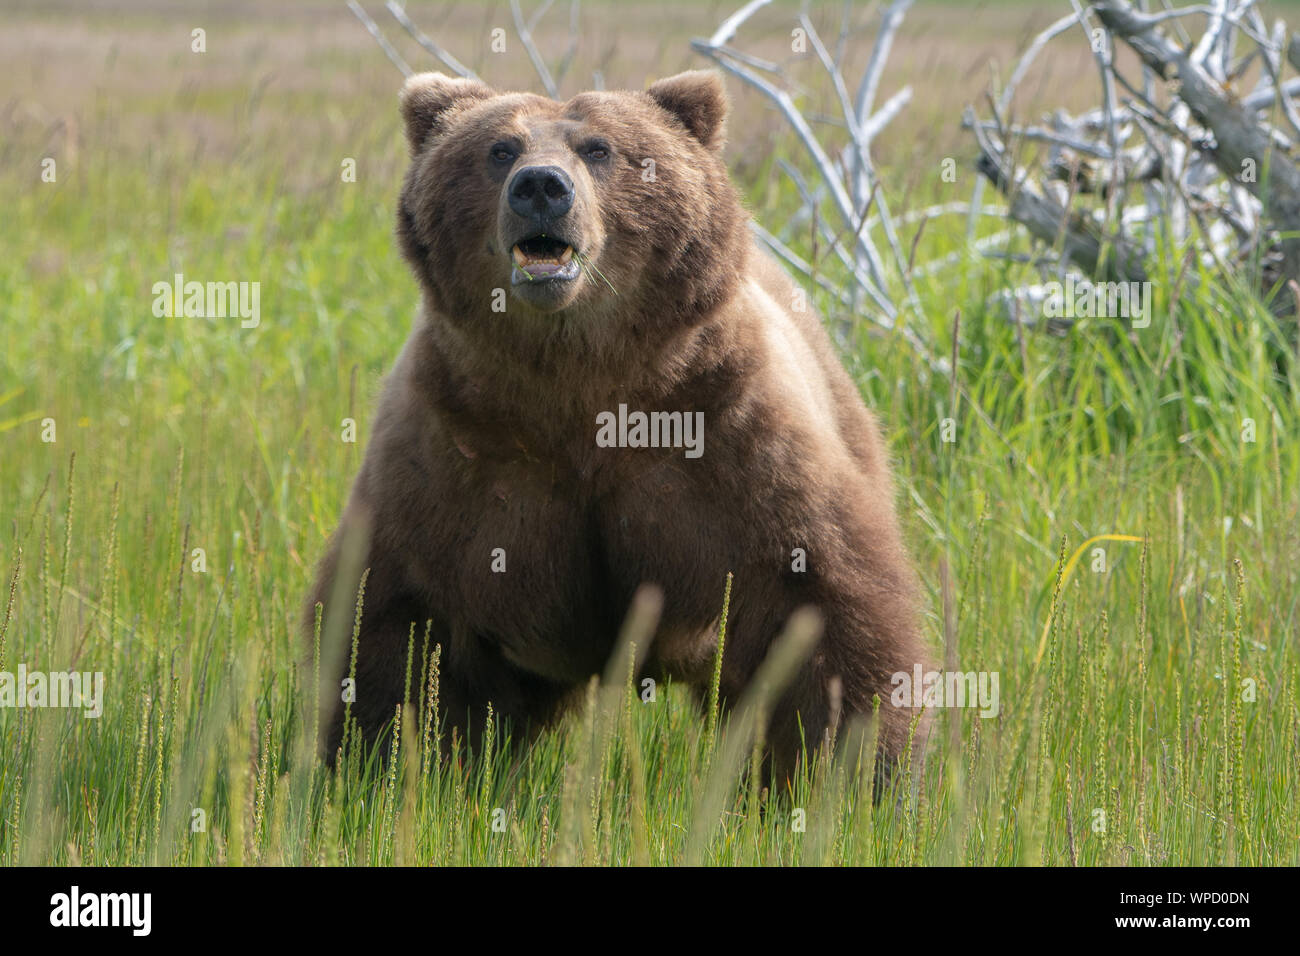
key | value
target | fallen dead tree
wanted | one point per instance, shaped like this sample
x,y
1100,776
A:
x,y
1173,157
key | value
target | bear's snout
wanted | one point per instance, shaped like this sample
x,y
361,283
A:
x,y
543,227
541,193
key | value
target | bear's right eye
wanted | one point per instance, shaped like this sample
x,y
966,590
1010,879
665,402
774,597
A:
x,y
501,153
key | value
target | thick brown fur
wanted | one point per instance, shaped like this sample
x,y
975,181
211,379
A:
x,y
485,434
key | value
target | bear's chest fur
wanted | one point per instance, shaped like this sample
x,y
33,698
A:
x,y
540,553
508,556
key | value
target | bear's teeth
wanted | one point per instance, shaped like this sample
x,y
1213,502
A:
x,y
522,259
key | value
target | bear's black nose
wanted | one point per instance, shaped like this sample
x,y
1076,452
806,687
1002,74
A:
x,y
541,192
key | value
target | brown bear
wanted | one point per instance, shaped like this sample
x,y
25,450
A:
x,y
609,385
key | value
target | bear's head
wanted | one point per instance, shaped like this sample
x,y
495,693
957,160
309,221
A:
x,y
609,203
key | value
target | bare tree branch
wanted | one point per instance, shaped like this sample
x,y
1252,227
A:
x,y
526,38
373,29
418,35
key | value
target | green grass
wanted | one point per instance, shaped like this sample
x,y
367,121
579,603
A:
x,y
195,433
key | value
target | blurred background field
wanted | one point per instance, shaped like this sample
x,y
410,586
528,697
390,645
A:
x,y
173,434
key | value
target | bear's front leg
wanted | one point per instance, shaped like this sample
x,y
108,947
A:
x,y
465,671
823,537
390,630
867,636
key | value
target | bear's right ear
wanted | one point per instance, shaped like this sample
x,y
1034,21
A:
x,y
426,98
699,100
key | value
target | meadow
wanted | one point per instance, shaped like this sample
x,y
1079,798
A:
x,y
1108,517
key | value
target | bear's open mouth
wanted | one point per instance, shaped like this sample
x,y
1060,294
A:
x,y
540,258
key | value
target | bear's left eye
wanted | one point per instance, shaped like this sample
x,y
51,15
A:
x,y
597,152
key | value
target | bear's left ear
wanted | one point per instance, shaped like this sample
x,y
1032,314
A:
x,y
426,98
699,100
